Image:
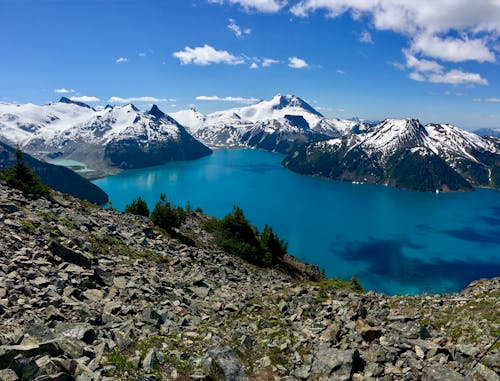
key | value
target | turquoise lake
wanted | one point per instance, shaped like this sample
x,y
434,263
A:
x,y
394,241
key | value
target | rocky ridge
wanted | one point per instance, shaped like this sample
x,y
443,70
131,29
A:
x,y
94,294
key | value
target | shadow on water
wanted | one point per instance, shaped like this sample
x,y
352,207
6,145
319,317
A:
x,y
491,221
385,259
495,210
473,235
469,234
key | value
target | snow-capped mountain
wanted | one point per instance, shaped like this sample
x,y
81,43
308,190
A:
x,y
191,119
278,124
120,136
404,153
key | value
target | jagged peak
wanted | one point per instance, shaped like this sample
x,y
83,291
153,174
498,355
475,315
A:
x,y
69,101
156,112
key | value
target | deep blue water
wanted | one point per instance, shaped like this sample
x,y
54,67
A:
x,y
395,241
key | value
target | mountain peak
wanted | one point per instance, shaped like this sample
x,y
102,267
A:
x,y
281,101
69,101
156,112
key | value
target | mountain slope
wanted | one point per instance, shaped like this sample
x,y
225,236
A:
x,y
59,178
406,154
279,124
120,136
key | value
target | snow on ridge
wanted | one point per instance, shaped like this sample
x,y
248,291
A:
x,y
59,122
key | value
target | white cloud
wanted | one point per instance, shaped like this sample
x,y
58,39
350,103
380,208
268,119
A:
x,y
85,98
366,37
457,77
64,91
142,54
297,63
421,64
138,99
206,55
340,72
423,70
254,65
426,23
453,49
241,100
266,62
266,6
489,100
236,29
121,60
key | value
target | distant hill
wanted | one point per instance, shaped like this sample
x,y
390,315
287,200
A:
x,y
58,178
488,132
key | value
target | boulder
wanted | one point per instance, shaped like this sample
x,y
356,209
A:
x,y
439,373
221,363
69,255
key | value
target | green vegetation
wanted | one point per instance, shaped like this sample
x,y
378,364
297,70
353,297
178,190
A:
x,y
326,286
119,360
28,226
20,176
167,216
424,173
103,244
138,207
235,235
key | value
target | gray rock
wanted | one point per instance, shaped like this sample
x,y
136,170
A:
x,y
334,364
483,373
8,375
492,361
223,364
69,255
439,373
151,359
9,208
94,295
103,277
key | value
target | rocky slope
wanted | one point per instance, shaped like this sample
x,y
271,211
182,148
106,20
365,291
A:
x,y
93,294
405,154
104,139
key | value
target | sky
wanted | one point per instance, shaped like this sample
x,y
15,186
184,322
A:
x,y
436,60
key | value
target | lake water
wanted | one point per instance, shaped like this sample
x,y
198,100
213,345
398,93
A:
x,y
397,242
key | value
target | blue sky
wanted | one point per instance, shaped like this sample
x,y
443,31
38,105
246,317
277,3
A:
x,y
436,60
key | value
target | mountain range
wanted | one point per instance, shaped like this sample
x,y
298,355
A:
x,y
106,139
398,152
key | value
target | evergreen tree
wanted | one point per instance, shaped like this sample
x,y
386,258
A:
x,y
275,246
21,176
138,207
166,216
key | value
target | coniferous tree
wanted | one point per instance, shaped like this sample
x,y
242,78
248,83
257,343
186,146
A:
x,y
138,207
21,176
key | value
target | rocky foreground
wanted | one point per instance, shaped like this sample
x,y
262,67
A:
x,y
93,294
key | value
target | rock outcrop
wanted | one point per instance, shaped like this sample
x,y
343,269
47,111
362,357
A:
x,y
93,294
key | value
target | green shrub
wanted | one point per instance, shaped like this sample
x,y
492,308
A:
x,y
166,216
138,207
20,176
235,235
